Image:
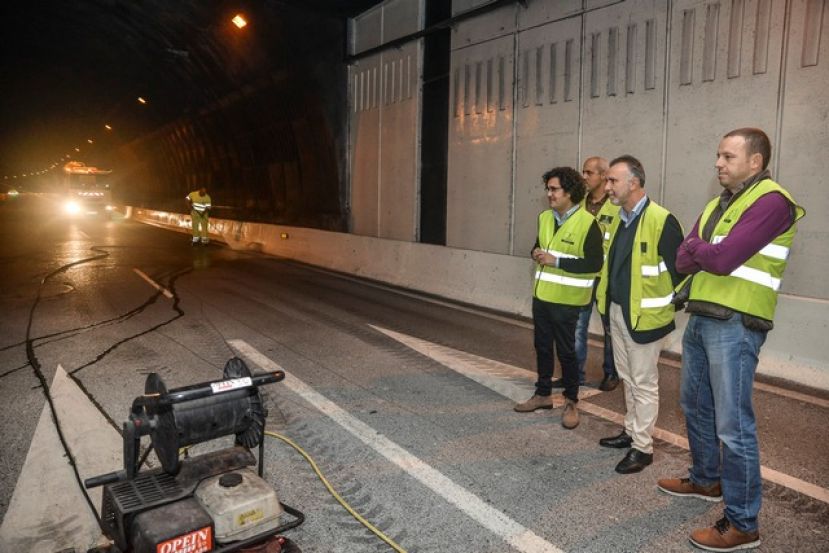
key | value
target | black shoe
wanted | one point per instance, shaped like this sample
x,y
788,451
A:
x,y
634,461
621,441
558,383
609,383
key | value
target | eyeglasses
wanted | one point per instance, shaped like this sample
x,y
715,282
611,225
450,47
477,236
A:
x,y
552,189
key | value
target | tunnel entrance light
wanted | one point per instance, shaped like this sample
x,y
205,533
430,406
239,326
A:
x,y
239,21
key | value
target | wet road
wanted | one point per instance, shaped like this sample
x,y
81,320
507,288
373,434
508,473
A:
x,y
418,432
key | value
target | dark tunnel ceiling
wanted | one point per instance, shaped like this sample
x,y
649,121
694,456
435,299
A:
x,y
70,67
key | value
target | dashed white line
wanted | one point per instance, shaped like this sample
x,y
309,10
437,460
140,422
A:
x,y
153,283
521,538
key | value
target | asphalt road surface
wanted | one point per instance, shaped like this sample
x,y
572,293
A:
x,y
403,401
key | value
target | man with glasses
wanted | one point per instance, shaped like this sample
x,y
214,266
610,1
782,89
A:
x,y
568,254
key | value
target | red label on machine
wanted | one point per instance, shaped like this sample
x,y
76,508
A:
x,y
198,541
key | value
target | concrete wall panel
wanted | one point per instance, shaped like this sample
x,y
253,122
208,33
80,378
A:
x,y
623,85
399,131
364,112
546,118
803,146
479,182
705,101
366,30
490,25
401,18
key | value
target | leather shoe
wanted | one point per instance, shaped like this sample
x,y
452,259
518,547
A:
x,y
634,461
609,383
619,442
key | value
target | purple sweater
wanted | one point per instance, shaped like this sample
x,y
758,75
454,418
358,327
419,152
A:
x,y
767,218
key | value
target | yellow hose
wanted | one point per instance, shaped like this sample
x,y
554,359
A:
x,y
334,493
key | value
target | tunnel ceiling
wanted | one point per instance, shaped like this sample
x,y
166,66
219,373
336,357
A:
x,y
70,68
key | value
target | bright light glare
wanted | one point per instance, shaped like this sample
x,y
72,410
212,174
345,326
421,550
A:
x,y
108,127
110,208
239,21
141,100
72,208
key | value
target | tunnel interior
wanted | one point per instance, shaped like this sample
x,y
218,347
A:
x,y
173,96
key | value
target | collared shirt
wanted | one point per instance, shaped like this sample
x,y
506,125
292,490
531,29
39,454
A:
x,y
628,218
594,207
561,218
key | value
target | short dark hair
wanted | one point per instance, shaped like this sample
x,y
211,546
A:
x,y
571,182
757,142
634,167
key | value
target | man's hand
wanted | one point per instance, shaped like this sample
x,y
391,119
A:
x,y
543,258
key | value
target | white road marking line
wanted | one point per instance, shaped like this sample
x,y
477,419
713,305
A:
x,y
154,284
490,518
477,368
529,325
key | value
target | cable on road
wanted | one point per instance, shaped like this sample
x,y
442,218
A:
x,y
376,531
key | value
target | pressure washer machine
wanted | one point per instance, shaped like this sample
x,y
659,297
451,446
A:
x,y
213,502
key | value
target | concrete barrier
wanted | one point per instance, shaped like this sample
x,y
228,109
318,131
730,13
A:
x,y
795,349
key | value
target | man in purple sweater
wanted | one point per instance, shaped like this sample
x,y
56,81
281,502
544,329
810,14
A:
x,y
736,254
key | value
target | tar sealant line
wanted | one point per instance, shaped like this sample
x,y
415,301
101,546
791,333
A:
x,y
154,284
484,371
519,537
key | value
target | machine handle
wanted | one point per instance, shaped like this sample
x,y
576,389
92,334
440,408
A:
x,y
104,479
198,391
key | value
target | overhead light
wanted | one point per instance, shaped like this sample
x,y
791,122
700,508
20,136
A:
x,y
90,140
107,127
141,100
239,21
77,149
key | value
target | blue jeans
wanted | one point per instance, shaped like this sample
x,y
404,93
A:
x,y
719,358
608,365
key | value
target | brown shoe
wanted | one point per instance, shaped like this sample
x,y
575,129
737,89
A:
x,y
570,417
683,487
535,402
724,537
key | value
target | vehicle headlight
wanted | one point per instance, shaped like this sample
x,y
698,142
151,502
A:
x,y
72,207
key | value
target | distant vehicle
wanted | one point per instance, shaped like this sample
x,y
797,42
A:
x,y
85,193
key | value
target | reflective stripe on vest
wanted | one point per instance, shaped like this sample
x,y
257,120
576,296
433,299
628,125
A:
x,y
565,280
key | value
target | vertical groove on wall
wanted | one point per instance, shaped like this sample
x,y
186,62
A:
x,y
630,60
762,24
709,52
479,66
552,94
568,70
539,71
524,88
456,95
811,33
735,38
374,87
467,81
594,64
666,92
612,59
650,54
362,90
384,88
686,55
490,100
395,84
781,86
409,77
354,93
501,78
